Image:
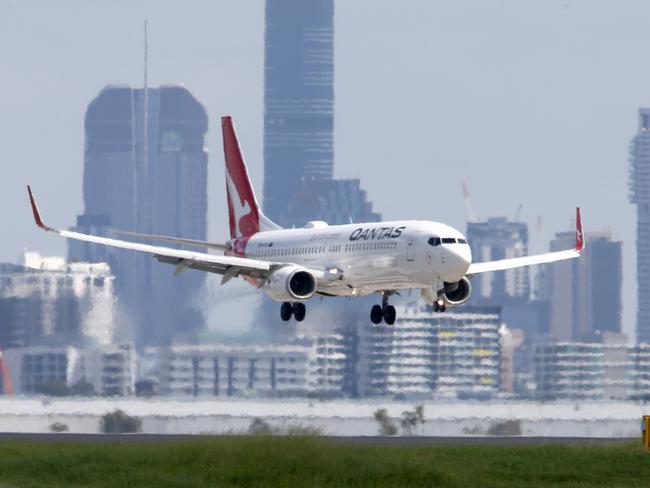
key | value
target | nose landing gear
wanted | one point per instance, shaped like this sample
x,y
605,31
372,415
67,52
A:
x,y
439,306
384,311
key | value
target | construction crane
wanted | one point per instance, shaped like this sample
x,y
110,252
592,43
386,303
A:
x,y
518,212
471,216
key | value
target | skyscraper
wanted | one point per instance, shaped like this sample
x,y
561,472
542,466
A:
x,y
298,99
145,170
499,239
299,119
585,293
640,196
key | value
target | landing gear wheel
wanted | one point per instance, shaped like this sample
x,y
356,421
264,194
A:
x,y
389,314
443,308
376,314
285,311
299,311
439,307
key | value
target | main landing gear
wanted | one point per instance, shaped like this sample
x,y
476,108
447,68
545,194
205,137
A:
x,y
384,311
297,309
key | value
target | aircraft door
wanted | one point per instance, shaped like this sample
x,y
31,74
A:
x,y
410,247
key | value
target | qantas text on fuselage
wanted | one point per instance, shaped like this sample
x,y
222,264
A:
x,y
294,265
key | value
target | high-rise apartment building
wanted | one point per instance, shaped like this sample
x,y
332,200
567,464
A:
x,y
606,369
586,293
145,170
48,301
110,369
640,196
315,366
455,354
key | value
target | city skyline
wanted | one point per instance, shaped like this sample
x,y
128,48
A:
x,y
560,127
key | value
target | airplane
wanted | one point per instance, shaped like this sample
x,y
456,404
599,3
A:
x,y
293,265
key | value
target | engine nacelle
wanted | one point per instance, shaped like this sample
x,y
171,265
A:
x,y
456,293
291,283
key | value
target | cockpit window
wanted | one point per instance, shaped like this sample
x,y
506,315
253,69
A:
x,y
436,241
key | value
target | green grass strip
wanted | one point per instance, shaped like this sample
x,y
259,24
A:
x,y
313,462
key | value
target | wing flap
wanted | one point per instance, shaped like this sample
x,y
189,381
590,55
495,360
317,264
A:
x,y
175,240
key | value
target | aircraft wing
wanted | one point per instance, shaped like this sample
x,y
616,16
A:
x,y
228,266
551,257
175,240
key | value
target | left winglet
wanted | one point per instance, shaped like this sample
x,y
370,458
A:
x,y
580,239
37,214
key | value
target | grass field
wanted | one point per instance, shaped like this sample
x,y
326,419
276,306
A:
x,y
292,462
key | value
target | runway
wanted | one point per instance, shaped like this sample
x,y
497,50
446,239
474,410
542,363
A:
x,y
379,441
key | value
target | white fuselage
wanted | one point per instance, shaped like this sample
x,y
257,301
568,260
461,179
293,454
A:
x,y
367,258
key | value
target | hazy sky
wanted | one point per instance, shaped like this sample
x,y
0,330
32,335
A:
x,y
529,102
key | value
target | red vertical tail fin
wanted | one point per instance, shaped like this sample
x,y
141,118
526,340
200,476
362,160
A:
x,y
245,216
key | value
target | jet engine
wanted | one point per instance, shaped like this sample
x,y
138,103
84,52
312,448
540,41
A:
x,y
456,293
290,283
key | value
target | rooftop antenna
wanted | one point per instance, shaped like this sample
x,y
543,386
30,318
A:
x,y
146,102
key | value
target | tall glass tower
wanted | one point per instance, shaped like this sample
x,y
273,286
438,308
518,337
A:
x,y
640,196
298,100
145,170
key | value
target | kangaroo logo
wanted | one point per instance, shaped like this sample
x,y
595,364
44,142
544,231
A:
x,y
240,211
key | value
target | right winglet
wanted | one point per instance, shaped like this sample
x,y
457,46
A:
x,y
580,239
37,214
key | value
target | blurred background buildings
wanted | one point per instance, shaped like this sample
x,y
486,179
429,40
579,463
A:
x,y
111,322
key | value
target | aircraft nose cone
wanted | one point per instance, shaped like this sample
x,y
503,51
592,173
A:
x,y
462,257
